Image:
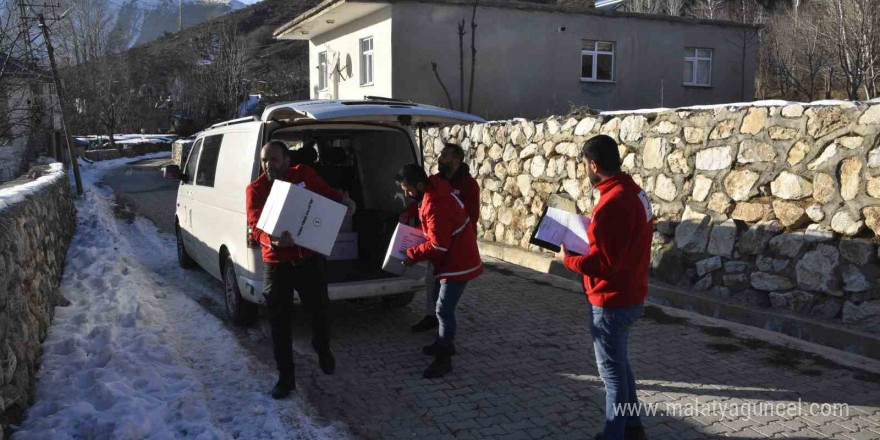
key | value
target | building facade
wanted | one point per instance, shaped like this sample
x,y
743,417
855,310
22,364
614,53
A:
x,y
532,59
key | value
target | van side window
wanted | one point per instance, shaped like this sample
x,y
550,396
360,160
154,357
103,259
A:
x,y
190,170
208,163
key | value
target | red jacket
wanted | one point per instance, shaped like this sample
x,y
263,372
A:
x,y
258,192
466,188
452,241
616,269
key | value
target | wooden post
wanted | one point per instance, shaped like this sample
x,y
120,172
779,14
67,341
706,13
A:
x,y
58,91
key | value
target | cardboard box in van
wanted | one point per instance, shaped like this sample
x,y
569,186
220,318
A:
x,y
312,220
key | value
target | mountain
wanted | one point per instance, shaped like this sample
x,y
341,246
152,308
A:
x,y
142,21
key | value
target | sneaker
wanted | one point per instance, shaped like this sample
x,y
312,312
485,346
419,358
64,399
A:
x,y
285,385
427,323
635,433
438,368
435,349
325,359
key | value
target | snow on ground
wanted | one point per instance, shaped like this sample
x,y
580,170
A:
x,y
765,103
136,357
14,194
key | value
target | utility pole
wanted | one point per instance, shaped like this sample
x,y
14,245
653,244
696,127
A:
x,y
60,92
179,15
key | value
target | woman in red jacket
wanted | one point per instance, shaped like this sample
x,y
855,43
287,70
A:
x,y
451,247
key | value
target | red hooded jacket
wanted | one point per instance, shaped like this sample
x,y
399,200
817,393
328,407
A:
x,y
452,241
616,268
258,192
466,188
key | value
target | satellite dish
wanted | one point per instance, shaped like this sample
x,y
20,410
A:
x,y
348,65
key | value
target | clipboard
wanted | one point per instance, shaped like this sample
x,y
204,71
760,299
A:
x,y
566,229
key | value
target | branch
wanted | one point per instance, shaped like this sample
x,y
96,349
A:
x,y
437,75
461,33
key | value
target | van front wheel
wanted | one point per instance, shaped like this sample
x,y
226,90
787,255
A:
x,y
239,310
183,258
398,301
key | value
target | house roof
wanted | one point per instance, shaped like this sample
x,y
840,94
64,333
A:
x,y
14,67
308,23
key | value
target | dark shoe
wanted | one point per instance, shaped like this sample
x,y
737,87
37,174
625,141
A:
x,y
427,323
600,436
285,385
438,368
635,433
325,359
435,349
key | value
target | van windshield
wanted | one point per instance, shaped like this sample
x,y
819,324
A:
x,y
363,163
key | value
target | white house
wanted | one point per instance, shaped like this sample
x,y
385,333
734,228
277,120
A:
x,y
532,59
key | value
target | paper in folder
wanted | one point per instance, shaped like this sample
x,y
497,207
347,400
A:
x,y
557,227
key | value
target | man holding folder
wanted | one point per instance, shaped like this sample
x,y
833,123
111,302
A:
x,y
451,246
615,271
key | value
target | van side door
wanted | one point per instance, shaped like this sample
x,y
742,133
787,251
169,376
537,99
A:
x,y
201,213
185,197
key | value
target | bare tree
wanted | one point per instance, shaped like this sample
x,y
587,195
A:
x,y
85,33
798,55
221,71
853,29
710,9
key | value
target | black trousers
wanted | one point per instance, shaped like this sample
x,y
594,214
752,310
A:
x,y
309,280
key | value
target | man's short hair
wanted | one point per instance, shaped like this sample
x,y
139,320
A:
x,y
602,149
278,144
456,149
412,174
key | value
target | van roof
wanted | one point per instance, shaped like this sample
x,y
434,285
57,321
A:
x,y
383,110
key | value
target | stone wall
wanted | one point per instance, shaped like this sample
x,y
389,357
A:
x,y
36,226
127,151
768,205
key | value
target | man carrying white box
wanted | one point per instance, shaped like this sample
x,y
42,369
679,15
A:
x,y
451,246
288,266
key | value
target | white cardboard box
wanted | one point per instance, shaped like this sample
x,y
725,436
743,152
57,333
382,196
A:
x,y
346,247
312,220
404,238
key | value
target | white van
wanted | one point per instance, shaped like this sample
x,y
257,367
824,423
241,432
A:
x,y
359,146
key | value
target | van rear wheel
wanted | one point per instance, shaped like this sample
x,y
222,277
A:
x,y
239,310
398,301
183,258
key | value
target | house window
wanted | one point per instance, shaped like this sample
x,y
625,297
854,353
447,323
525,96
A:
x,y
367,61
697,66
322,70
597,60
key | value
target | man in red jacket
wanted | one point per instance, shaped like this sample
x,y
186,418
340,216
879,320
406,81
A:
x,y
615,279
451,167
451,247
287,266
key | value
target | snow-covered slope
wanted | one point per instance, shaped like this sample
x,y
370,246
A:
x,y
146,20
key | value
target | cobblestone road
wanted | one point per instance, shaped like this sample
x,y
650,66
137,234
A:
x,y
525,370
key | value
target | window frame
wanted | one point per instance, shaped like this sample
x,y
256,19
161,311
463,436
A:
x,y
595,52
363,54
695,60
323,82
196,148
199,179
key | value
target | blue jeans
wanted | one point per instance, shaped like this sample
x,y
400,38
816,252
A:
x,y
610,330
447,293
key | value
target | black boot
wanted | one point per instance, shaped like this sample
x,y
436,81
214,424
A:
x,y
435,349
286,384
427,323
325,358
442,364
635,433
